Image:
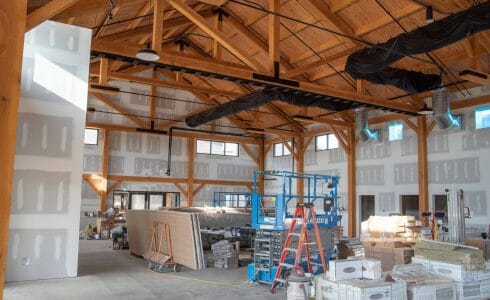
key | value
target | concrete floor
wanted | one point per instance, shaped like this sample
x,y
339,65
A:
x,y
108,274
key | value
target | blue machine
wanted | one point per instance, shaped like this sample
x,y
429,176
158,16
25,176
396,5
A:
x,y
272,214
232,199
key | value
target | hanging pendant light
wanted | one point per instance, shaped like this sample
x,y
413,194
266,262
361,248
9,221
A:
x,y
147,54
426,110
429,15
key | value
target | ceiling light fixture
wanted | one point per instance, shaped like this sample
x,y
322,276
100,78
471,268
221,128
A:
x,y
429,15
426,110
147,54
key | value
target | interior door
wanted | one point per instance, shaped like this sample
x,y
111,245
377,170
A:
x,y
410,205
368,207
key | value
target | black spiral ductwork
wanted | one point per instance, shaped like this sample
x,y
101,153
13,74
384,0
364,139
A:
x,y
265,96
372,64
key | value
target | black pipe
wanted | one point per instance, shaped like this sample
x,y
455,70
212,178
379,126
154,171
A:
x,y
170,138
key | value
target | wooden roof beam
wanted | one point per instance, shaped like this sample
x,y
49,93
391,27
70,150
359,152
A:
x,y
47,12
170,23
156,43
209,29
245,74
321,10
401,13
169,84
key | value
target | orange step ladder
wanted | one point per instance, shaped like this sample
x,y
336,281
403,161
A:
x,y
300,214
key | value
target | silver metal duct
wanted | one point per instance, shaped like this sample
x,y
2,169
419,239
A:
x,y
442,110
362,130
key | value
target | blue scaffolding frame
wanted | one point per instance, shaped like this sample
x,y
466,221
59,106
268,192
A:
x,y
274,212
321,190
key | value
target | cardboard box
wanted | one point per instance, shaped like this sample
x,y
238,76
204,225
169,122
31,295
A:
x,y
326,289
344,269
468,290
371,269
368,289
399,290
434,291
455,272
452,271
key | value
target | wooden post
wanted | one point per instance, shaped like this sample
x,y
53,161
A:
x,y
351,184
104,69
157,25
190,170
261,157
218,23
105,171
422,164
12,27
274,33
300,165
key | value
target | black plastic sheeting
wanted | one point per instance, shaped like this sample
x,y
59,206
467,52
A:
x,y
263,97
372,64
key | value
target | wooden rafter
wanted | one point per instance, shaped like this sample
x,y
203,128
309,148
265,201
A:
x,y
211,31
47,12
119,109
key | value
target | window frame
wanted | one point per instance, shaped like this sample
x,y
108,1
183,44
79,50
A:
x,y
485,108
97,139
282,148
224,148
392,124
327,135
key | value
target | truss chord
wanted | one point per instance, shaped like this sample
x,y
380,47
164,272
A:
x,y
247,4
157,118
189,101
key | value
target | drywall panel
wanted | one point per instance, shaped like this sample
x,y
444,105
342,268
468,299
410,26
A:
x,y
49,161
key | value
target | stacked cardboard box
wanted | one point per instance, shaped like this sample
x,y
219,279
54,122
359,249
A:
x,y
388,256
348,247
421,285
470,284
357,279
225,255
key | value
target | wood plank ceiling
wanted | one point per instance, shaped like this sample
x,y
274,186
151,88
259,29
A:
x,y
235,34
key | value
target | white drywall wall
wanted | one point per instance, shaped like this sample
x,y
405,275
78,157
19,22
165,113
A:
x,y
46,194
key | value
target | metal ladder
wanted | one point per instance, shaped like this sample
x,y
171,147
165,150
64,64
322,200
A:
x,y
300,214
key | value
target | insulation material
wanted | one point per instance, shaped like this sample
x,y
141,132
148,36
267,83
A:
x,y
395,228
373,63
470,257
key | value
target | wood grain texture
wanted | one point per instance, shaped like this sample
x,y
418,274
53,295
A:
x,y
12,27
